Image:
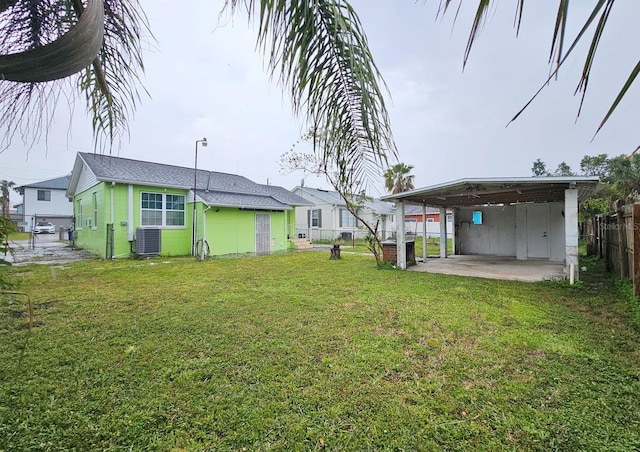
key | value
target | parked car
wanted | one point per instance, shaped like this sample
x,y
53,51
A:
x,y
44,227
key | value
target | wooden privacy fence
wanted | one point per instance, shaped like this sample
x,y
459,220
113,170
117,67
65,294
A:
x,y
615,237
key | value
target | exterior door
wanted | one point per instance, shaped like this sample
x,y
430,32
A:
x,y
538,231
263,233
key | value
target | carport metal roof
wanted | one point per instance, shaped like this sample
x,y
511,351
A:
x,y
487,191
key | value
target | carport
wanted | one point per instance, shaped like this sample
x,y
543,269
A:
x,y
533,219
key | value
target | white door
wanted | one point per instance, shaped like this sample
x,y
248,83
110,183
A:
x,y
263,233
538,231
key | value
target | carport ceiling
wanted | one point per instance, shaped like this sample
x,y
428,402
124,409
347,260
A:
x,y
476,192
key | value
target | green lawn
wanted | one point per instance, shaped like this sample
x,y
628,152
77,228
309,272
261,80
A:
x,y
359,246
297,352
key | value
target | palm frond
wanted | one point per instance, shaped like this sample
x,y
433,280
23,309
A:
x,y
319,52
111,84
586,71
557,41
600,11
563,58
518,19
621,94
478,21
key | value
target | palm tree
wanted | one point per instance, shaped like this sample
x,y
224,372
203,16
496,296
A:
x,y
54,48
317,49
4,197
397,178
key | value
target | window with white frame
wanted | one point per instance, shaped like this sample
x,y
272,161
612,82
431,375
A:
x,y
449,218
44,195
174,210
347,220
315,218
160,209
430,220
79,214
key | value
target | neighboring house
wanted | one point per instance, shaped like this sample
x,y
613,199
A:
x,y
327,217
46,201
523,217
414,217
129,207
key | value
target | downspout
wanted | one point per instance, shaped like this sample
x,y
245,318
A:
x,y
112,215
112,210
130,213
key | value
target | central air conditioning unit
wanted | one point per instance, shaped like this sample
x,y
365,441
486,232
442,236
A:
x,y
148,241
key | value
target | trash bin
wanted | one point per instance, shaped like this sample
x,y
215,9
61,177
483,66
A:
x,y
70,233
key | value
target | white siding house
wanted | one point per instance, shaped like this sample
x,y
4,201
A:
x,y
46,201
328,218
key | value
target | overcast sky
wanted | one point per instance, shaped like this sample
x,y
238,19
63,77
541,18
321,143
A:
x,y
206,79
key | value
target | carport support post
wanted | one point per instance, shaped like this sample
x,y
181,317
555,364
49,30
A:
x,y
571,231
443,232
401,247
424,234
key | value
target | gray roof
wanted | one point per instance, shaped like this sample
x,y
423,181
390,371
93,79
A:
x,y
59,183
244,201
333,197
284,195
213,187
116,169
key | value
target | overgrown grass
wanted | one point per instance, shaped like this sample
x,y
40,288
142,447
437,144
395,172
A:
x,y
296,352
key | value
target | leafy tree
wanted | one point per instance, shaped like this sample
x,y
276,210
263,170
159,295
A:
x,y
596,165
563,170
346,183
397,178
624,175
539,168
619,175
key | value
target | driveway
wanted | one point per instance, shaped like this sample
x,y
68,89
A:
x,y
48,249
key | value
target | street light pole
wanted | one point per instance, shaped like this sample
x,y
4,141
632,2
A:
x,y
195,186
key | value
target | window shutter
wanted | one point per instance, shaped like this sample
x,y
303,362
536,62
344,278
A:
x,y
341,214
309,218
319,218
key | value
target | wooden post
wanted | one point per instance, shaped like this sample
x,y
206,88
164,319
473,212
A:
x,y
622,245
636,249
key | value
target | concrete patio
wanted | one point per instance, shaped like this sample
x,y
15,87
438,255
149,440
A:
x,y
493,267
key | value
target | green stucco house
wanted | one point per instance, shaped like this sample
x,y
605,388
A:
x,y
126,208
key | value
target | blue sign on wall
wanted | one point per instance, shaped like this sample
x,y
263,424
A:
x,y
477,217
